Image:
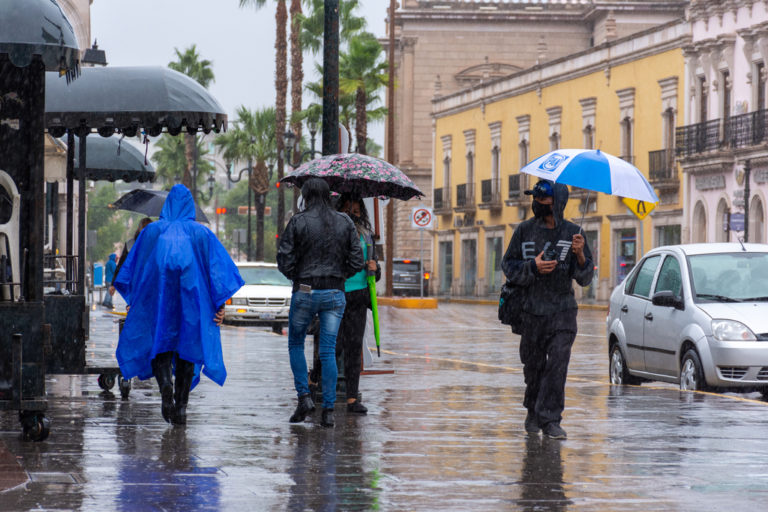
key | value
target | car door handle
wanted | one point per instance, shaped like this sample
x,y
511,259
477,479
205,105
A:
x,y
624,308
649,316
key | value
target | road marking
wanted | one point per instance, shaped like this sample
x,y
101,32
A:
x,y
570,377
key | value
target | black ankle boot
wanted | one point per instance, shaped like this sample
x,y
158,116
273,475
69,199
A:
x,y
161,368
185,372
327,418
356,407
306,406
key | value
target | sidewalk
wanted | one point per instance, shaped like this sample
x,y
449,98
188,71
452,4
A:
x,y
494,301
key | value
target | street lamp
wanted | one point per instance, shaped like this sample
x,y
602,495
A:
x,y
211,182
291,144
249,170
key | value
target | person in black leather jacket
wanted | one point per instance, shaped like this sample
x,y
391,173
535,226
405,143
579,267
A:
x,y
318,251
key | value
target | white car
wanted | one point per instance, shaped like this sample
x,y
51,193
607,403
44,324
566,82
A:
x,y
696,315
264,299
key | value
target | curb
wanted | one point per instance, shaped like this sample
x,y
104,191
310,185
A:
x,y
408,302
489,302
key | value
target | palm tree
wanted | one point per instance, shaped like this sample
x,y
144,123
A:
x,y
253,138
171,163
199,70
362,72
313,24
281,89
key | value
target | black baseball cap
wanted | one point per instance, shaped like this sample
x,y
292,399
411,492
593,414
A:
x,y
543,188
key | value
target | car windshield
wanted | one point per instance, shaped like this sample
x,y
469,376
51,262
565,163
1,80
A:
x,y
401,266
264,276
730,277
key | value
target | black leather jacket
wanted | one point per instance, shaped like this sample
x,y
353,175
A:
x,y
321,252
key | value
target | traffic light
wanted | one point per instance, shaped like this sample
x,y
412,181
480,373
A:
x,y
221,211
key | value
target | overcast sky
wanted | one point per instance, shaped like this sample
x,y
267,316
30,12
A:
x,y
239,42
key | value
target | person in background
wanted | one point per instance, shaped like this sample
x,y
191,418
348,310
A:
x,y
358,298
176,278
109,275
126,249
319,249
544,256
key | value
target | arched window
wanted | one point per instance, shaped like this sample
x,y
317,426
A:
x,y
721,235
699,234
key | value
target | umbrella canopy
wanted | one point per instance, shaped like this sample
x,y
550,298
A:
x,y
38,27
127,99
353,173
592,169
150,203
111,160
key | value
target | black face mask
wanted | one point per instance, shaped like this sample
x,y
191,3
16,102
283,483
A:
x,y
541,211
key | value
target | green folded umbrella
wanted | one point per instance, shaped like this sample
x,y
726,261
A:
x,y
374,307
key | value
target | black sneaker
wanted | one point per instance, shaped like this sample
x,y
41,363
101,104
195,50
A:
x,y
553,430
532,423
306,406
356,408
327,418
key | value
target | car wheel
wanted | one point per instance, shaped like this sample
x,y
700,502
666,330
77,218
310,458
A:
x,y
692,373
617,368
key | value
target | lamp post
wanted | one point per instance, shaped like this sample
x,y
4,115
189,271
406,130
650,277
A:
x,y
249,170
291,145
200,195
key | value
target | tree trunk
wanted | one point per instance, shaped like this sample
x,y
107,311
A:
x,y
297,83
189,152
361,120
281,88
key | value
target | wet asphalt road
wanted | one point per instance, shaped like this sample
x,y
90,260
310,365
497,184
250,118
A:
x,y
444,432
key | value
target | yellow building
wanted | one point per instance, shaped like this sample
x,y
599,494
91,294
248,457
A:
x,y
624,97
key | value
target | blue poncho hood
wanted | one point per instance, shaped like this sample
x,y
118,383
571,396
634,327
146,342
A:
x,y
175,278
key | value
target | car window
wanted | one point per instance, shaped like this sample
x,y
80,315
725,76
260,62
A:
x,y
729,276
411,266
670,278
264,276
644,279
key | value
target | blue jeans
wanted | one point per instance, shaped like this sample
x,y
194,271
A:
x,y
329,306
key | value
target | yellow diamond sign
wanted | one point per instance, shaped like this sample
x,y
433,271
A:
x,y
641,209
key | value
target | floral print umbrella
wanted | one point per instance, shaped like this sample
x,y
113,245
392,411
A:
x,y
362,175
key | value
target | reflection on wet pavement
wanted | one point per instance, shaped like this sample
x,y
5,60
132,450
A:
x,y
444,432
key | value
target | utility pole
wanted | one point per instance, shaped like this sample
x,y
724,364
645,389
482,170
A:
x,y
390,241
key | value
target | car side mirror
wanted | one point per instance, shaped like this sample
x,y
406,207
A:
x,y
667,299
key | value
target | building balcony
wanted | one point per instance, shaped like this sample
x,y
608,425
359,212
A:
x,y
746,129
698,138
662,171
490,195
515,196
442,201
465,198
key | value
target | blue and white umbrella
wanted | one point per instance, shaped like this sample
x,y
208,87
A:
x,y
592,169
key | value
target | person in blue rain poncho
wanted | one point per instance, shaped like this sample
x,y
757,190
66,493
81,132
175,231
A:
x,y
176,280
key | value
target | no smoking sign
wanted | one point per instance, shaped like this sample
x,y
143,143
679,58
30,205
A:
x,y
422,217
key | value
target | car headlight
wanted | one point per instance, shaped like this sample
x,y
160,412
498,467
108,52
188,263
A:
x,y
731,330
240,301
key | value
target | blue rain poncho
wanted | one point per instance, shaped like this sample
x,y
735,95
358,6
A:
x,y
175,278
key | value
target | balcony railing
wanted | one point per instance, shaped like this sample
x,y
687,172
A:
x,y
465,195
515,186
698,138
442,199
747,129
661,166
489,192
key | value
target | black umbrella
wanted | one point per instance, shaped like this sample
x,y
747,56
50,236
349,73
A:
x,y
112,160
38,27
150,203
130,98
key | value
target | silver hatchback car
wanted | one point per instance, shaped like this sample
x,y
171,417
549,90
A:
x,y
694,314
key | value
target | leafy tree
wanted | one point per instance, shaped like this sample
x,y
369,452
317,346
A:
x,y
253,138
313,24
171,163
190,64
362,72
109,225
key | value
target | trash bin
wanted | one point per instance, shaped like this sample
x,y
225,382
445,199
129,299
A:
x,y
98,275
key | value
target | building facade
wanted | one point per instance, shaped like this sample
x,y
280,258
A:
x,y
722,147
623,97
446,46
